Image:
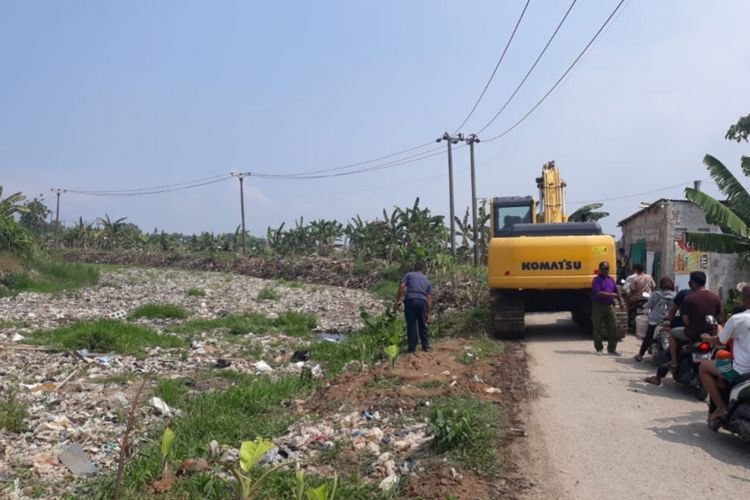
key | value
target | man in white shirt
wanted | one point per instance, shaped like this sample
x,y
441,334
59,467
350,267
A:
x,y
738,329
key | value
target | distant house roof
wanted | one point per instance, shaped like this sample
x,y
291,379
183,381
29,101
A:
x,y
648,208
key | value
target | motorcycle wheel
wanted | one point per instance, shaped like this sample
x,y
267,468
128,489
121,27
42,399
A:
x,y
700,392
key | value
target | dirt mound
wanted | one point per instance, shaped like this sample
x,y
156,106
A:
x,y
321,270
419,379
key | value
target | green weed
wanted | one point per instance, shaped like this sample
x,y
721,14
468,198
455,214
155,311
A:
x,y
431,384
385,290
50,277
13,414
288,284
104,336
268,293
159,311
196,292
469,431
288,323
172,391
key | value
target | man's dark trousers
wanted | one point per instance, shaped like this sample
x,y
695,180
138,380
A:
x,y
415,312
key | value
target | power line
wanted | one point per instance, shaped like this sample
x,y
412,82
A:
x,y
150,188
531,69
632,195
499,62
145,193
395,163
572,65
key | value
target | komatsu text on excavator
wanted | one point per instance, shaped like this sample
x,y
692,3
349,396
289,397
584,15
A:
x,y
538,261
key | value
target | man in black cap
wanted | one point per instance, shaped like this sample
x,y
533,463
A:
x,y
603,295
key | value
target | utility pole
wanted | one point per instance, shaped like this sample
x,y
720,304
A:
x,y
451,140
471,139
57,191
241,177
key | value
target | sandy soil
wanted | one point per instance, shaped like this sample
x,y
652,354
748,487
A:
x,y
597,430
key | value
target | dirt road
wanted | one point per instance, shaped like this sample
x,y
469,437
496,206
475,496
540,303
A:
x,y
597,430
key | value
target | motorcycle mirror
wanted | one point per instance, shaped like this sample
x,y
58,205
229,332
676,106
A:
x,y
710,320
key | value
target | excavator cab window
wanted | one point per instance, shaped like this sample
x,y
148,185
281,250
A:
x,y
508,214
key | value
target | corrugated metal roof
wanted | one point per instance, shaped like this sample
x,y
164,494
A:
x,y
646,209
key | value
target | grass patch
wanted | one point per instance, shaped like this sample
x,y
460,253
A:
x,y
468,430
288,283
268,293
288,323
483,348
252,407
12,413
196,292
159,311
172,391
470,323
104,335
385,290
50,277
386,382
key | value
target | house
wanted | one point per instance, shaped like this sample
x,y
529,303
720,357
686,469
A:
x,y
655,237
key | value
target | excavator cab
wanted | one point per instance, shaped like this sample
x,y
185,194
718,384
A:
x,y
506,212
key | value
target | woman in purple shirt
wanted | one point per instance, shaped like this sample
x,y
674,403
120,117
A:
x,y
603,295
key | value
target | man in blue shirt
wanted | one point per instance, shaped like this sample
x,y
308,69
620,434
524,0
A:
x,y
417,290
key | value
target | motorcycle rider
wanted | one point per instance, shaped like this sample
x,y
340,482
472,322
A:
x,y
636,284
713,371
659,304
700,303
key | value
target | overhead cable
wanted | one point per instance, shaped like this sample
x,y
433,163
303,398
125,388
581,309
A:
x,y
531,69
497,66
572,65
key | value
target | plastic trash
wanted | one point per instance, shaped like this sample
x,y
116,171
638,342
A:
x,y
262,367
162,407
104,360
332,337
222,363
367,415
76,460
300,356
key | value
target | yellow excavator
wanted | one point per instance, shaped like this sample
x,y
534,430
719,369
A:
x,y
538,261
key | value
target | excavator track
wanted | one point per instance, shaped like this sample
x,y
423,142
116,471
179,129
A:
x,y
507,315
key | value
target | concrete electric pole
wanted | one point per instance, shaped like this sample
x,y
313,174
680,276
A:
x,y
241,177
451,140
58,192
471,139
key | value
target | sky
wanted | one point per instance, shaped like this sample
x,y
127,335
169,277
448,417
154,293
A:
x,y
123,95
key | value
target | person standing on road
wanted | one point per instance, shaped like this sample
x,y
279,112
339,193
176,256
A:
x,y
711,371
659,304
417,290
604,292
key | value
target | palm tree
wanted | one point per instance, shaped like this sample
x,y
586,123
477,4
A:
x,y
731,215
111,230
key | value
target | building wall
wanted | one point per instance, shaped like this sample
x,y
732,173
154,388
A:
x,y
664,224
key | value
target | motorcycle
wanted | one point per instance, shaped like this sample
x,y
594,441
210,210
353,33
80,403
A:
x,y
736,397
689,358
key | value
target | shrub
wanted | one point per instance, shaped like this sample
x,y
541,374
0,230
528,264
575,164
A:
x,y
104,336
468,430
196,292
12,413
268,293
159,311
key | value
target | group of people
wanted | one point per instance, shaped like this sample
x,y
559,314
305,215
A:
x,y
684,315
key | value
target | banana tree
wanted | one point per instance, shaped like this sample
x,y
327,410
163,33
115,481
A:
x,y
588,213
731,215
13,237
